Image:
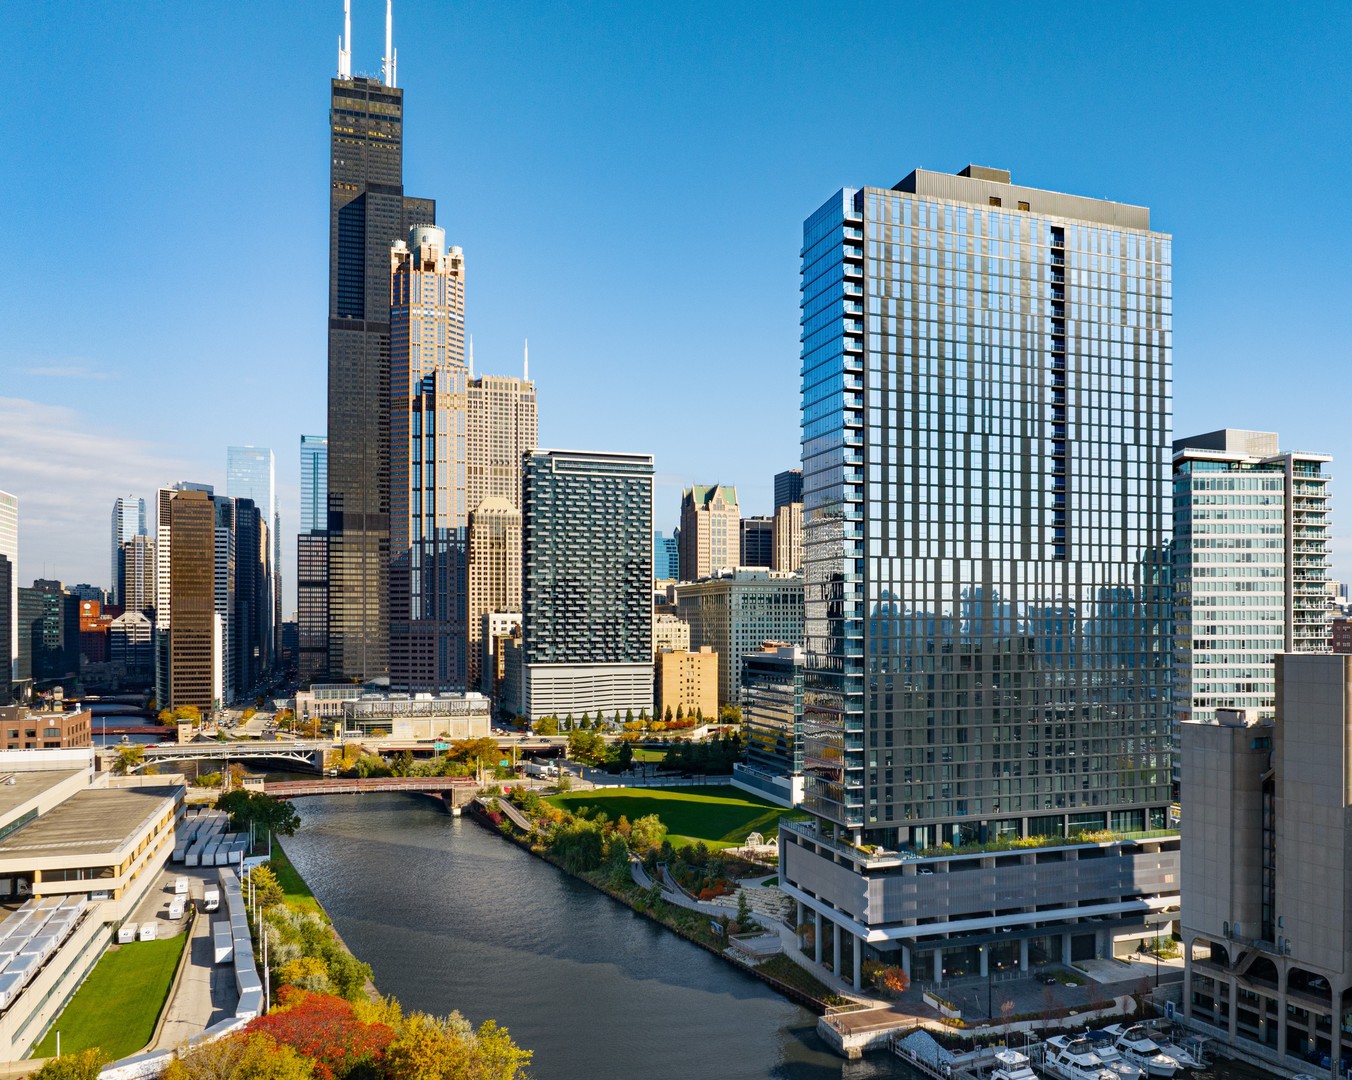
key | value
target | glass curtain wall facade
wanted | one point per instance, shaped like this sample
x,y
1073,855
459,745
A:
x,y
368,212
986,426
128,522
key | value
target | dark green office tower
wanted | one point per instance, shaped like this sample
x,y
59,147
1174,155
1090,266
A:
x,y
368,211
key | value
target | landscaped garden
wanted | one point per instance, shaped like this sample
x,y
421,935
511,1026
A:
x,y
719,816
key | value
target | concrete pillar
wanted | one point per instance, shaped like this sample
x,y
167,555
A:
x,y
858,962
799,920
835,948
1023,955
817,935
1065,948
1187,980
985,961
938,955
906,960
1234,1009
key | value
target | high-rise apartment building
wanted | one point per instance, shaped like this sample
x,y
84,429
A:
x,y
587,627
196,635
429,517
733,612
1250,522
128,522
788,487
312,560
787,537
986,434
9,551
666,557
49,629
710,538
757,542
494,573
368,212
225,595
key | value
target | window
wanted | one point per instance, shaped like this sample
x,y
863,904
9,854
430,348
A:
x,y
1023,205
995,200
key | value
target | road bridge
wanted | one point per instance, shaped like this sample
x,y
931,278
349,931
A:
x,y
307,752
456,790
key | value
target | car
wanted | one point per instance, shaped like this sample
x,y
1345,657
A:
x,y
1048,980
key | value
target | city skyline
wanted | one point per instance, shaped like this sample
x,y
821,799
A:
x,y
705,145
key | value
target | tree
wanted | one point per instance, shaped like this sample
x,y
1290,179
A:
x,y
246,1056
267,890
646,833
743,908
264,812
129,758
236,774
478,754
730,714
587,747
626,756
86,1065
568,722
668,716
680,710
628,716
547,725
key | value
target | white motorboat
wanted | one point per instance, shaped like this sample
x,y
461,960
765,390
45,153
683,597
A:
x,y
1012,1065
1187,1059
1112,1059
1140,1049
1074,1058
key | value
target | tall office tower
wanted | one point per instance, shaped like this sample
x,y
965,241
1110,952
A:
x,y
312,560
494,573
252,612
787,537
8,619
136,574
163,591
251,473
9,549
224,594
986,396
586,613
196,635
368,212
734,612
710,538
757,542
1249,521
49,627
429,519
666,558
314,483
788,487
129,522
503,425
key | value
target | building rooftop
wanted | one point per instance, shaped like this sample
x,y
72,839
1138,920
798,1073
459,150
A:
x,y
94,821
18,788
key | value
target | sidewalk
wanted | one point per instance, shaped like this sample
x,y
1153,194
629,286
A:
x,y
204,995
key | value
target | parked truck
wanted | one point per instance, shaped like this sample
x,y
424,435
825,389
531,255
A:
x,y
211,898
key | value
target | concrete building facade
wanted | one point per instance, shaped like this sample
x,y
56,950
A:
x,y
787,536
734,612
1267,857
687,679
494,574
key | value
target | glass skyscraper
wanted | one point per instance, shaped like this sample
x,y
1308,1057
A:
x,y
128,521
314,482
986,439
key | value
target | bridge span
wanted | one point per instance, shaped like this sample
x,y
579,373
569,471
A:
x,y
456,790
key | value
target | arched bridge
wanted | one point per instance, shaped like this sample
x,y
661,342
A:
x,y
308,752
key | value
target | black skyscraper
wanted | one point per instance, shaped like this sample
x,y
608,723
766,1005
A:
x,y
368,211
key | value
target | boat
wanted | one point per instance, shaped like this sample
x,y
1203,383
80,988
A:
x,y
1012,1065
1112,1057
1140,1049
1071,1057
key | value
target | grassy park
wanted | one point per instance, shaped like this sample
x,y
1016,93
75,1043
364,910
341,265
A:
x,y
135,978
720,816
297,893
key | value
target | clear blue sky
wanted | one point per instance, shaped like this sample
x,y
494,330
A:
x,y
629,183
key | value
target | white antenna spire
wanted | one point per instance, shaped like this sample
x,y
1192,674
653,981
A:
x,y
391,57
471,356
525,359
345,43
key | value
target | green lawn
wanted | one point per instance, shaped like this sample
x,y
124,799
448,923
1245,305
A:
x,y
298,894
117,1005
658,756
721,816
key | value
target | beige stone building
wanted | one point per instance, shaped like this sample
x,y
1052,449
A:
x,y
711,533
669,632
1267,858
788,538
687,679
494,572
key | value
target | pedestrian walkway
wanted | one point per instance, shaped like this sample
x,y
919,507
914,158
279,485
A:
x,y
203,994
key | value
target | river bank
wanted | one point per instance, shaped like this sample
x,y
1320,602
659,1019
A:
x,y
693,926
